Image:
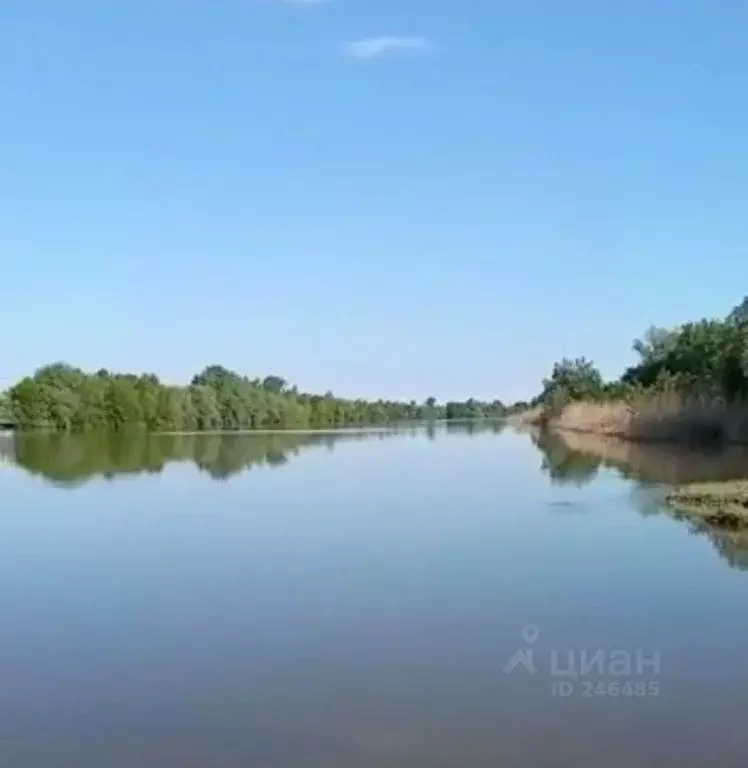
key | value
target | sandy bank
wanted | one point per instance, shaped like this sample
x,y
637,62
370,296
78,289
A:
x,y
723,504
657,419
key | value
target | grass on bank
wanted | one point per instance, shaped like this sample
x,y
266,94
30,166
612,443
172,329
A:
x,y
662,418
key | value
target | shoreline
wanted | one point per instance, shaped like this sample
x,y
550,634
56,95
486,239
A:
x,y
721,504
664,420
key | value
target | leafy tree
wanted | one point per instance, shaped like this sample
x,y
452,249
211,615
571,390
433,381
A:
x,y
64,398
739,314
274,383
704,358
572,380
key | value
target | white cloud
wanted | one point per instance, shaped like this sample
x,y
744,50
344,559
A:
x,y
374,47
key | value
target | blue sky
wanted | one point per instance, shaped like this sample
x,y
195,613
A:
x,y
378,197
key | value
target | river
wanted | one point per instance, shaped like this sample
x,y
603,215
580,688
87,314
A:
x,y
436,596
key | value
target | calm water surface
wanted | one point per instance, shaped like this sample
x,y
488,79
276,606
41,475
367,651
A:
x,y
353,600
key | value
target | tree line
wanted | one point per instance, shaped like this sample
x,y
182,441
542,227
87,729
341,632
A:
x,y
64,398
706,358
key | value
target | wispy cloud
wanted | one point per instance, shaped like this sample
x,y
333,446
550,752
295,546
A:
x,y
376,47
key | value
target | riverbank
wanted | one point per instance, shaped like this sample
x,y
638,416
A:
x,y
721,504
665,418
703,484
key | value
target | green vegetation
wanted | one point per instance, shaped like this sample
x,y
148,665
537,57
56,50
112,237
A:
x,y
690,383
6,418
474,409
705,358
65,399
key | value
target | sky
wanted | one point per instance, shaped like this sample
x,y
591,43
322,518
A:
x,y
395,198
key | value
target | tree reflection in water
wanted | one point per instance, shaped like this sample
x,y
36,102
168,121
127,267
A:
x,y
576,459
72,460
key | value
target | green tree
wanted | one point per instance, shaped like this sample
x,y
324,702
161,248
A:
x,y
575,379
274,383
65,398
